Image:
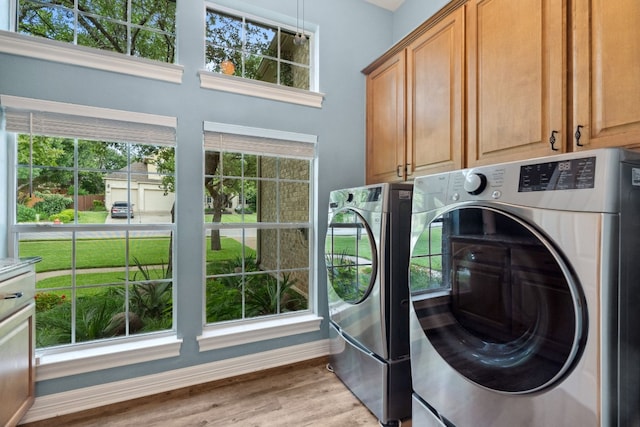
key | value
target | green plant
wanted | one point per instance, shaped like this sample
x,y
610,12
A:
x,y
26,214
69,212
51,204
47,300
264,295
152,299
98,205
62,218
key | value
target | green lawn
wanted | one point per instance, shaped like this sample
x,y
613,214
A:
x,y
234,218
100,253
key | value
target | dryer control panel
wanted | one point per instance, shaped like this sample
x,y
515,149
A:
x,y
570,174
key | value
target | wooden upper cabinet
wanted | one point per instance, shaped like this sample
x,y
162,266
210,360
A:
x,y
606,73
415,103
435,98
385,121
516,79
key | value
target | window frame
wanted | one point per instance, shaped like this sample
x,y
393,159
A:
x,y
76,28
85,356
256,88
243,331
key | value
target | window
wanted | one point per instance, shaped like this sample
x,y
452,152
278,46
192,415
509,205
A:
x,y
257,231
101,276
142,28
253,49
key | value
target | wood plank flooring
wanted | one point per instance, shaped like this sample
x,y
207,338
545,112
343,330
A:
x,y
303,394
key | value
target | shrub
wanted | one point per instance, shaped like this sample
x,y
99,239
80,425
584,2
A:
x,y
98,205
47,300
52,204
26,214
62,217
69,213
245,210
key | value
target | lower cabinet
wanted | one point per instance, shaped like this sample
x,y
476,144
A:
x,y
17,368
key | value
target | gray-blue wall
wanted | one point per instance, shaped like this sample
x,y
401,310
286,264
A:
x,y
352,33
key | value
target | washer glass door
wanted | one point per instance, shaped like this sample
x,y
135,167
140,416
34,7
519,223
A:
x,y
495,299
351,256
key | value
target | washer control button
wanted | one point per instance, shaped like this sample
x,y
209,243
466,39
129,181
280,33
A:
x,y
455,197
496,194
475,183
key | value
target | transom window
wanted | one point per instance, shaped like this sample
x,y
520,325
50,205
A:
x,y
143,28
254,49
258,229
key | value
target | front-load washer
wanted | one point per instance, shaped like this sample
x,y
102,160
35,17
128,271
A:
x,y
525,293
367,258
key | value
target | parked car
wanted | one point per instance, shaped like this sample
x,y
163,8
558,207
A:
x,y
121,210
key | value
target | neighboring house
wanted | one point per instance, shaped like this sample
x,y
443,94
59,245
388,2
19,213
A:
x,y
147,194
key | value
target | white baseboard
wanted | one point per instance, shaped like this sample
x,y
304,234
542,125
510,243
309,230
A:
x,y
68,402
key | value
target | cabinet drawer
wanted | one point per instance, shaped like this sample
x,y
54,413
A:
x,y
16,292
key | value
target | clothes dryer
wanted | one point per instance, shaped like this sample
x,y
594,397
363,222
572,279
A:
x,y
367,258
525,291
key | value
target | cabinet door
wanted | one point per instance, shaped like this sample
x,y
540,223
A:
x,y
606,85
385,121
435,81
516,79
17,370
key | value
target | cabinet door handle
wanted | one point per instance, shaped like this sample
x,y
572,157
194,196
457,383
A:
x,y
552,140
407,169
578,135
399,171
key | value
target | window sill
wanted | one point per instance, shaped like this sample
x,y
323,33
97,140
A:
x,y
56,51
232,334
233,84
95,358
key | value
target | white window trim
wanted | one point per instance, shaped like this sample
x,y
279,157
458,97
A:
x,y
235,333
51,363
242,86
57,51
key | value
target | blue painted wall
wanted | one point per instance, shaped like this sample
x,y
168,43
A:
x,y
352,34
411,14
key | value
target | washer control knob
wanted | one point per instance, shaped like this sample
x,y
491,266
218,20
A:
x,y
475,183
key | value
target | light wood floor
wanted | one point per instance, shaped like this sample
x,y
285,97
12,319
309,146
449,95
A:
x,y
304,394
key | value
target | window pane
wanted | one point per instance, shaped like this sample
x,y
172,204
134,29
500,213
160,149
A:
x,y
294,202
261,68
153,45
250,165
294,76
293,52
268,201
158,14
224,30
294,169
50,22
268,167
262,39
101,33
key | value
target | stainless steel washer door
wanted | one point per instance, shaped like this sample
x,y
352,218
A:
x,y
353,273
495,299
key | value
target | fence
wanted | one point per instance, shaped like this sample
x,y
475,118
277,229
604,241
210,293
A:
x,y
85,203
